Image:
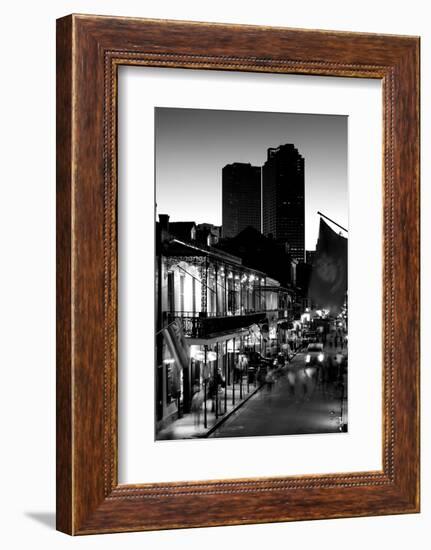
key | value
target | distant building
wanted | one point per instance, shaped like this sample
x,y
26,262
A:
x,y
262,253
204,234
303,275
207,233
183,230
283,198
309,256
241,198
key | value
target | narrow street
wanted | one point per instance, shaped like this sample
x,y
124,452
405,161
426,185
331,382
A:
x,y
278,412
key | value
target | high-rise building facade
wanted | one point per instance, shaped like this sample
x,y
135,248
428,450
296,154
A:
x,y
283,198
241,201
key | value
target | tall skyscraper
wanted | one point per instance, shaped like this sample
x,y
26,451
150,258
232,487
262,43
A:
x,y
241,201
283,198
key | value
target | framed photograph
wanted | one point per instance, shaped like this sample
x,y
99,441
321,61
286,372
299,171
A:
x,y
243,319
237,274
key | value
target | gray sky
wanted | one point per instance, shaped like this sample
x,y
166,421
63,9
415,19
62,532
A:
x,y
193,145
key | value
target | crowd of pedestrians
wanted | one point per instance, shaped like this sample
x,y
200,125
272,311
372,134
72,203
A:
x,y
328,376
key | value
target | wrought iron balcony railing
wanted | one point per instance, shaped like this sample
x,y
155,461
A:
x,y
206,326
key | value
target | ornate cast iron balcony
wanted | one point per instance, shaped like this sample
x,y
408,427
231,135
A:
x,y
204,327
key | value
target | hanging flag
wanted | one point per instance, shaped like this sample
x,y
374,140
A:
x,y
177,343
328,282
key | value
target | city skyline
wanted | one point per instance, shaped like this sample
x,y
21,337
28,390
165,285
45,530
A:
x,y
193,146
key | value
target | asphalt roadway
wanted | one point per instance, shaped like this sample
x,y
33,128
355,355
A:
x,y
290,407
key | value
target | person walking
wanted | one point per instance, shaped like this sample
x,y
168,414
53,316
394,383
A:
x,y
339,360
196,405
301,384
216,390
270,380
291,380
311,378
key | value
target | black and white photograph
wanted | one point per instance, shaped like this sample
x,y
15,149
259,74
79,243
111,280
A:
x,y
251,294
215,234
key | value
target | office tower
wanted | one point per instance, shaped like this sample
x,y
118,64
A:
x,y
241,201
283,198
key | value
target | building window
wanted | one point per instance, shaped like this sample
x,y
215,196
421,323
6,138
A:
x,y
171,292
213,292
194,295
181,293
231,297
169,384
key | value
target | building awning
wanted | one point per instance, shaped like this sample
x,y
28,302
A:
x,y
218,338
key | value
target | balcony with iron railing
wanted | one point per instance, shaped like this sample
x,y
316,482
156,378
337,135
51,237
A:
x,y
204,325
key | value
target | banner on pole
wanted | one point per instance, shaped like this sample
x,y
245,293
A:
x,y
328,283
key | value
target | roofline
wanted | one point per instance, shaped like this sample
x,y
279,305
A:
x,y
225,256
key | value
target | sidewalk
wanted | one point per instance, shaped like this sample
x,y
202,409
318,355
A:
x,y
187,427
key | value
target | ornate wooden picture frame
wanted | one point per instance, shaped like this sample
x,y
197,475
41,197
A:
x,y
89,51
